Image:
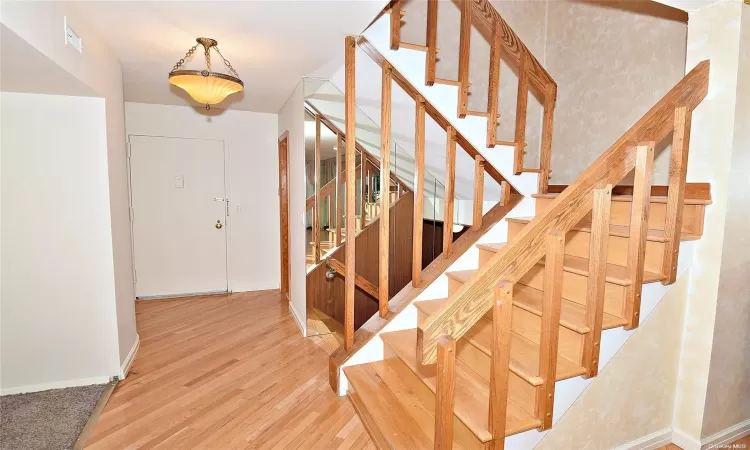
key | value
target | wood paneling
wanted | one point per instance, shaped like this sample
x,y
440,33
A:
x,y
328,295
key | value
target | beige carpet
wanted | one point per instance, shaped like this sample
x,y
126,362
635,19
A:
x,y
47,420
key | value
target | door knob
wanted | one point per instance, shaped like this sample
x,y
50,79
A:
x,y
218,225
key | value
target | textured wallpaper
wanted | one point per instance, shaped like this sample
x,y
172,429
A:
x,y
611,60
619,407
728,393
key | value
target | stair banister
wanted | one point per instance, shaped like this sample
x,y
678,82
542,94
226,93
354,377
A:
x,y
349,106
471,301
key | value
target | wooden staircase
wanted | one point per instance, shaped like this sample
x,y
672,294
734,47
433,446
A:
x,y
483,363
396,397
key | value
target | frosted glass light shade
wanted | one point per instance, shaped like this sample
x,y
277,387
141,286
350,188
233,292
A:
x,y
208,89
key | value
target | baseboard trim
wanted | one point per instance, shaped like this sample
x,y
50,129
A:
x,y
729,435
684,440
125,367
55,385
297,320
651,441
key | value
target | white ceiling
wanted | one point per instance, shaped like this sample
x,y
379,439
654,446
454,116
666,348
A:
x,y
271,43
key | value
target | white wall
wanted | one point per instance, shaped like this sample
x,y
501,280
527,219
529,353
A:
x,y
41,25
252,174
292,119
58,322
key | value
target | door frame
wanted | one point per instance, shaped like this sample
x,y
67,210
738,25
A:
x,y
227,218
284,229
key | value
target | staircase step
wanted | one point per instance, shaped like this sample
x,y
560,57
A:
x,y
524,354
580,266
615,230
572,314
471,391
629,198
392,415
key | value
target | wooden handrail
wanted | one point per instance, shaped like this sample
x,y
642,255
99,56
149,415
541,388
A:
x,y
471,302
485,16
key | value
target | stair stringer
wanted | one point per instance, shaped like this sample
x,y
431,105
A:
x,y
407,318
412,65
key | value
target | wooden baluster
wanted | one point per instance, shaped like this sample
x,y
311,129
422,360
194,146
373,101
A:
x,y
550,98
551,304
505,192
502,313
416,254
339,180
464,47
385,188
362,190
599,242
676,193
351,157
494,84
395,24
316,183
450,183
644,162
521,106
432,17
331,212
478,192
444,395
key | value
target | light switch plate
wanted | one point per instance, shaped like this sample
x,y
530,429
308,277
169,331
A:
x,y
179,181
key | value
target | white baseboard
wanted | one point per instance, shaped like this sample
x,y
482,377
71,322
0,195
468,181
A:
x,y
125,367
684,440
297,320
649,442
728,436
55,385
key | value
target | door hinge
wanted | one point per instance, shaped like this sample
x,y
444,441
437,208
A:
x,y
135,277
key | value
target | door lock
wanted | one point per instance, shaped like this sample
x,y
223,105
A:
x,y
219,225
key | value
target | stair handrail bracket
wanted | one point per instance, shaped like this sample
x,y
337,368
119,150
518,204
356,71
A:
x,y
475,298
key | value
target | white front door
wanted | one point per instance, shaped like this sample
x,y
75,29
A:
x,y
179,216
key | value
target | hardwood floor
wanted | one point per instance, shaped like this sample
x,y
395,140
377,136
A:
x,y
226,371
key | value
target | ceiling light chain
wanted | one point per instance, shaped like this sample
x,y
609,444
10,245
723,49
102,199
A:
x,y
226,62
188,55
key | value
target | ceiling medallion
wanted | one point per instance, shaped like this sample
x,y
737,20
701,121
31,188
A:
x,y
205,86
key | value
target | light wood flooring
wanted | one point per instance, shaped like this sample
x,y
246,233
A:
x,y
226,372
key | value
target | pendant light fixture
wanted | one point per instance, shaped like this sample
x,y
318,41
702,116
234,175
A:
x,y
205,86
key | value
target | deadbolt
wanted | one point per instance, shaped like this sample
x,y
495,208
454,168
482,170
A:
x,y
218,225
